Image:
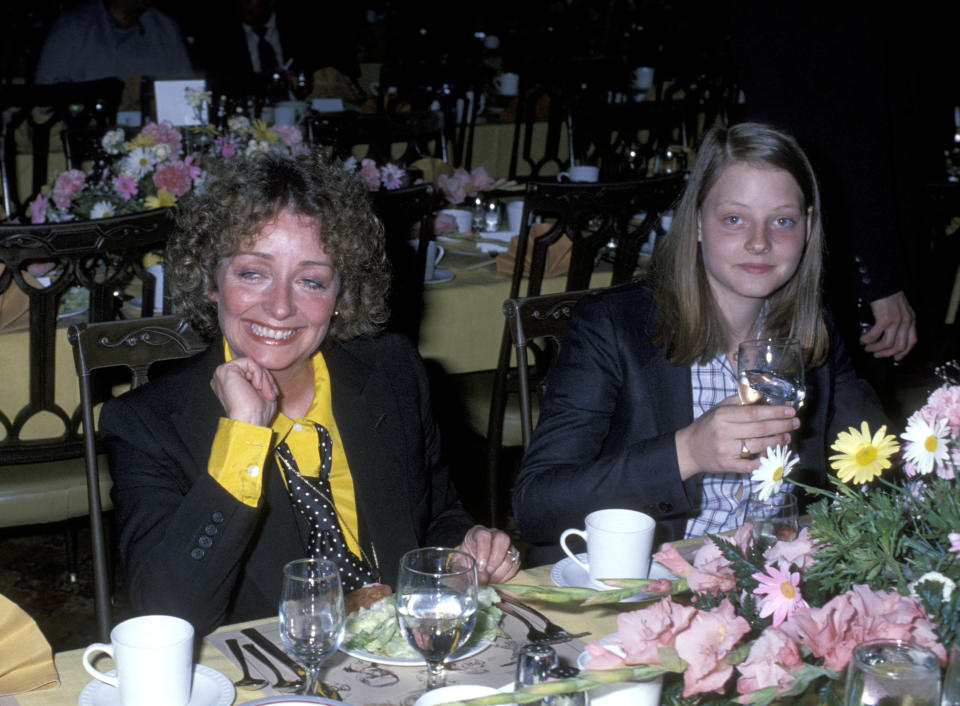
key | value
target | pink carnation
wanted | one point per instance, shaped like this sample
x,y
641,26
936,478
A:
x,y
38,209
66,185
290,134
370,174
640,633
704,646
861,614
164,133
771,657
173,177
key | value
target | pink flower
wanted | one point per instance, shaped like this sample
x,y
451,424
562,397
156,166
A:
x,y
704,646
391,176
126,186
444,223
164,133
194,171
770,658
174,177
944,403
227,148
781,593
712,572
370,174
954,538
861,614
290,134
38,209
66,185
478,181
641,632
799,551
454,187
669,557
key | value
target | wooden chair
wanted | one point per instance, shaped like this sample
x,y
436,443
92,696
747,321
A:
x,y
533,101
82,112
136,346
537,325
41,471
422,133
404,212
593,216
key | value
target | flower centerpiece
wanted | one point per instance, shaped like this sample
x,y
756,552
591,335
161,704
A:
x,y
154,168
880,560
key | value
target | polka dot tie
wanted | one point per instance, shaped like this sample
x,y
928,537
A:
x,y
312,498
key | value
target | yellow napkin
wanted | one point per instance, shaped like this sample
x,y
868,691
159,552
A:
x,y
432,168
26,660
558,254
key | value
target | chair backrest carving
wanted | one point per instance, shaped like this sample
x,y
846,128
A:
x,y
93,263
537,325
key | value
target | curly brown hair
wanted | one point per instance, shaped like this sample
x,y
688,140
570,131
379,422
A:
x,y
243,194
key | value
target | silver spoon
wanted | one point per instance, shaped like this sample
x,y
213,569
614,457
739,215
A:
x,y
247,681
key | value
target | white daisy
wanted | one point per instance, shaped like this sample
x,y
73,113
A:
x,y
947,584
773,468
257,147
161,151
102,209
139,162
238,123
927,443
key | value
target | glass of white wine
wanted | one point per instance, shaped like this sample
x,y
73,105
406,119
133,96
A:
x,y
770,371
436,605
311,614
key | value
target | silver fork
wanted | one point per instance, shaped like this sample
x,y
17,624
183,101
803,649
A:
x,y
552,630
534,634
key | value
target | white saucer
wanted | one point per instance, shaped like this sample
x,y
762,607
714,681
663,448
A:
x,y
210,688
440,276
567,572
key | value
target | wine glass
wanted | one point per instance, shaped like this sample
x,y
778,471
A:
x,y
774,519
436,605
892,672
311,614
770,371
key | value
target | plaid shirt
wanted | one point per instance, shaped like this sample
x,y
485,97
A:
x,y
724,495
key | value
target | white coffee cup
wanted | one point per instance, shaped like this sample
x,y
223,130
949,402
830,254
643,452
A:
x,y
157,272
618,545
641,78
581,173
154,659
462,216
435,254
507,84
514,216
289,112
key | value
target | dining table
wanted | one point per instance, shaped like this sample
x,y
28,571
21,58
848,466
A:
x,y
359,682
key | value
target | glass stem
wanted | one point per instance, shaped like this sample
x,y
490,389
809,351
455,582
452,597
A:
x,y
311,679
435,675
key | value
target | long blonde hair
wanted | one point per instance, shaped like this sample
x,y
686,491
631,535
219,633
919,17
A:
x,y
690,326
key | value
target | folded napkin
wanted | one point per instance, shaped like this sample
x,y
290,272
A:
x,y
558,254
26,660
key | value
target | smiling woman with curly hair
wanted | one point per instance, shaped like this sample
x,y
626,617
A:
x,y
302,430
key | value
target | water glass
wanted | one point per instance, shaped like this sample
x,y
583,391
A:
x,y
774,519
311,614
770,371
892,673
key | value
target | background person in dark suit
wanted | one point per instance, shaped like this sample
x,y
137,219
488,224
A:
x,y
300,431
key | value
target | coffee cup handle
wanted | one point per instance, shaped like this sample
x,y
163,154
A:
x,y
562,175
440,253
93,672
498,83
563,545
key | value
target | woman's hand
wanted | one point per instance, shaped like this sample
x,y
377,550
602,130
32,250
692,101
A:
x,y
497,559
714,442
247,391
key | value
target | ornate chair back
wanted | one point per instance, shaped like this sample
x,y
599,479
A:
x,y
135,346
537,325
422,133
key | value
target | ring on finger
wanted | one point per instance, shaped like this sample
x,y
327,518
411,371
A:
x,y
514,554
744,450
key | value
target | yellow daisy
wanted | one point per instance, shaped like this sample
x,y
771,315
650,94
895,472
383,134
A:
x,y
163,199
862,457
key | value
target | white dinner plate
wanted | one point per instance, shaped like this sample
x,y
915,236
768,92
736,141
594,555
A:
x,y
567,572
210,688
294,700
468,650
440,276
